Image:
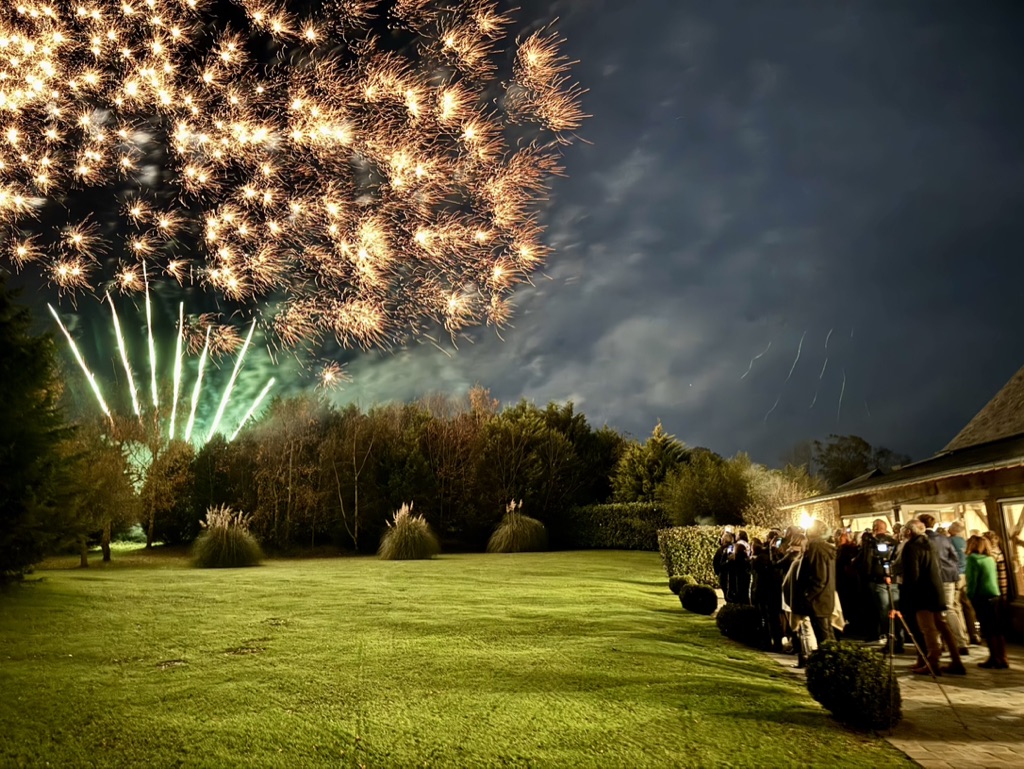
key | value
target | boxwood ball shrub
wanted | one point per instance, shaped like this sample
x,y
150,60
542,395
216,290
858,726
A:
x,y
408,538
678,581
225,542
518,533
700,599
740,623
853,682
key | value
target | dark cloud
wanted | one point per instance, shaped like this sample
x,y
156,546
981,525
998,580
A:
x,y
757,172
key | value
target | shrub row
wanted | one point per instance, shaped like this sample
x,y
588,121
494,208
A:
x,y
623,526
690,550
854,683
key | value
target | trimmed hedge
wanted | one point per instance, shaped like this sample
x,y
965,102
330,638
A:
x,y
854,683
690,549
678,581
700,599
740,623
625,526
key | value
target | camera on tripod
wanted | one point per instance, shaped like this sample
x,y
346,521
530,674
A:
x,y
885,553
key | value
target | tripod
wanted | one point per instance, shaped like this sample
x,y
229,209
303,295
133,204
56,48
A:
x,y
895,614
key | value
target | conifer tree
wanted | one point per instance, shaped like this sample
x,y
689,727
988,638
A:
x,y
31,431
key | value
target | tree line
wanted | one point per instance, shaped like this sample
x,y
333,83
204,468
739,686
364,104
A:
x,y
311,474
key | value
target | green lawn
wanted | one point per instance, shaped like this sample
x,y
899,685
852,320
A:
x,y
555,659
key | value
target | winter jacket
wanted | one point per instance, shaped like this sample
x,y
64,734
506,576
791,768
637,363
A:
x,y
873,562
815,593
960,545
982,581
766,586
949,561
922,580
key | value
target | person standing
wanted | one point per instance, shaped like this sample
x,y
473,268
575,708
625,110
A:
x,y
983,590
798,624
766,592
878,551
720,563
815,595
997,553
850,584
956,536
923,594
949,569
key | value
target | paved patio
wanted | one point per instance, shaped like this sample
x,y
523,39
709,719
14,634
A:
x,y
984,727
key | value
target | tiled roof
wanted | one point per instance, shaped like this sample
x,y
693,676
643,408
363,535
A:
x,y
1008,452
1002,417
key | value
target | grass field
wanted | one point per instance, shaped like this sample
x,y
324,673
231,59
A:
x,y
557,659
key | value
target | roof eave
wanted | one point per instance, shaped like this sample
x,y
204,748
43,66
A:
x,y
938,476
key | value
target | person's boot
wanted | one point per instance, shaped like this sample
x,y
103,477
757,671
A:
x,y
933,667
1001,662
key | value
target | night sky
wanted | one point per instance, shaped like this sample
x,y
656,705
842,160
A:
x,y
757,178
761,172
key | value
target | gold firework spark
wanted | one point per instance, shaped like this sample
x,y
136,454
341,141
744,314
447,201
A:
x,y
365,191
332,375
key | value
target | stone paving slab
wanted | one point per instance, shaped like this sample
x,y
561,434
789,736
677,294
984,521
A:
x,y
980,726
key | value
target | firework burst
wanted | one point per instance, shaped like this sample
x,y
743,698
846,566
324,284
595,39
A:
x,y
169,416
361,191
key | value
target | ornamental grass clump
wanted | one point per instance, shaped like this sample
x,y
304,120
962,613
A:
x,y
225,541
408,538
518,533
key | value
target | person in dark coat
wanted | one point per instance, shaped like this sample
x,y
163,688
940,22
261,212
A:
x,y
766,591
739,571
923,594
949,569
815,594
849,585
878,551
720,562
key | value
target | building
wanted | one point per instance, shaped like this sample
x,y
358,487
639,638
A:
x,y
978,478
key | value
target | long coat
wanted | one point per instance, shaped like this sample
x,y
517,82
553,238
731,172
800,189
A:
x,y
922,579
815,593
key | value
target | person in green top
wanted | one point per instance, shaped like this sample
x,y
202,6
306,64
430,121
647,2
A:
x,y
983,590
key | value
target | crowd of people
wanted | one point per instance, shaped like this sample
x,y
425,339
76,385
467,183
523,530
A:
x,y
948,590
